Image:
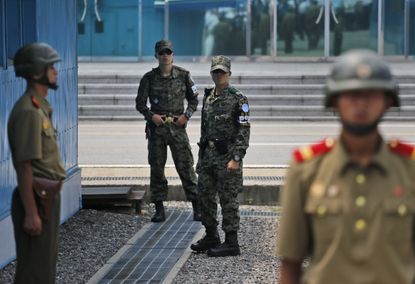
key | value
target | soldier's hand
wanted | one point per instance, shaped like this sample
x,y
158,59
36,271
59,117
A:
x,y
32,225
157,120
232,166
181,120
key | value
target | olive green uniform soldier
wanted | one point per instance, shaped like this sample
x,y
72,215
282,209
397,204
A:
x,y
166,87
349,204
224,140
35,153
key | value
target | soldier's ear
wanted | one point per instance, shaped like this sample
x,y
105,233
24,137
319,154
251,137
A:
x,y
230,73
389,102
155,55
335,103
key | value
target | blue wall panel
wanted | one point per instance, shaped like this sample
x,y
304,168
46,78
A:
x,y
57,26
10,90
53,22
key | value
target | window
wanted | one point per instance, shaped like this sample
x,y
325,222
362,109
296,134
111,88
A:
x,y
13,28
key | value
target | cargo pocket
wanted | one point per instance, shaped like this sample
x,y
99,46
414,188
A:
x,y
399,219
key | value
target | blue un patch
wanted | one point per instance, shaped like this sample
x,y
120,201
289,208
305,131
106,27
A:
x,y
245,107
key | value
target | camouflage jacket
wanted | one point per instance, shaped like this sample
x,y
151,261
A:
x,y
166,94
226,117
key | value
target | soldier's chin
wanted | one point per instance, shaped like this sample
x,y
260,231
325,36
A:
x,y
53,86
360,129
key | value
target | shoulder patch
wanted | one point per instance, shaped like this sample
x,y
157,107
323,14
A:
x,y
180,68
35,102
402,149
234,90
306,153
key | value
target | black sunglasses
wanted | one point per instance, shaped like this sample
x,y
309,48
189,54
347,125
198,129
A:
x,y
219,71
165,51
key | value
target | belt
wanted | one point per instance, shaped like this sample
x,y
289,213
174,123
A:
x,y
169,119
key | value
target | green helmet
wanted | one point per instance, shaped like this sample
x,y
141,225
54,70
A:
x,y
32,59
360,70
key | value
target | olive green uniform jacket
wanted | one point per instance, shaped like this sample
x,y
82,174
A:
x,y
355,223
32,138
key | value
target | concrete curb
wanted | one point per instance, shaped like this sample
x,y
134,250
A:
x,y
261,184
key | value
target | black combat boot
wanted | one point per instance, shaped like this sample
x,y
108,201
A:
x,y
229,248
196,211
159,215
210,240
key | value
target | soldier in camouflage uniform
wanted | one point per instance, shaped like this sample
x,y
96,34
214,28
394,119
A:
x,y
166,87
35,155
224,140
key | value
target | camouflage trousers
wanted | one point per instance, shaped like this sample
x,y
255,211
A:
x,y
215,180
176,138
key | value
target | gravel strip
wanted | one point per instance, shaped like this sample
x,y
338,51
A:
x,y
91,237
256,264
86,242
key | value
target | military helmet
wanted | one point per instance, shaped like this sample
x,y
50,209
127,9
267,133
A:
x,y
360,70
32,59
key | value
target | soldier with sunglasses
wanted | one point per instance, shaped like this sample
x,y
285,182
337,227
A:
x,y
166,87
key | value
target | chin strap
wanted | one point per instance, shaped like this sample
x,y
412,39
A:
x,y
361,130
45,81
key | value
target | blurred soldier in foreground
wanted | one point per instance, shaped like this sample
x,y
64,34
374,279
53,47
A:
x,y
36,158
224,140
166,87
349,203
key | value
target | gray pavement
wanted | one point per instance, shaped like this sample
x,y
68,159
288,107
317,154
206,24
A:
x,y
123,143
265,67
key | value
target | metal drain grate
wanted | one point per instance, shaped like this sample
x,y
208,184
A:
x,y
151,256
259,214
146,178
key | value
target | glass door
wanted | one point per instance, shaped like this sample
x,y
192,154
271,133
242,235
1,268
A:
x,y
353,24
300,28
394,27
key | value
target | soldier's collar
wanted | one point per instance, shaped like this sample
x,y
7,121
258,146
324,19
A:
x,y
224,91
344,162
174,72
43,103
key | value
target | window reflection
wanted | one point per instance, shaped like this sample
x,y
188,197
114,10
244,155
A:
x,y
300,27
353,24
208,28
261,27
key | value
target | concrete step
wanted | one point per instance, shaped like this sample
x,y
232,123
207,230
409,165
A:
x,y
251,89
206,79
305,99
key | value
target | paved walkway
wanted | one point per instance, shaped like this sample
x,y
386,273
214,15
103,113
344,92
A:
x,y
238,68
151,255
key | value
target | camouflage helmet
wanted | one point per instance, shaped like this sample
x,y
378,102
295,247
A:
x,y
360,70
32,59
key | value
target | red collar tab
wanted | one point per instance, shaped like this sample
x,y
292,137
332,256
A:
x,y
402,149
306,153
35,102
